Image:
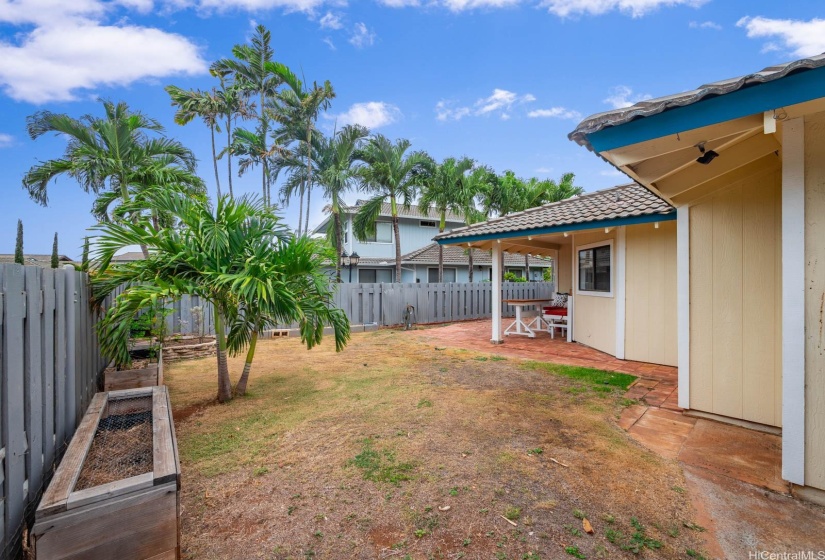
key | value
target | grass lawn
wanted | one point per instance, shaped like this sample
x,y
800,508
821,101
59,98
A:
x,y
394,449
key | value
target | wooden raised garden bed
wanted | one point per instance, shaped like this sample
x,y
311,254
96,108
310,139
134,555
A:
x,y
189,348
148,374
115,494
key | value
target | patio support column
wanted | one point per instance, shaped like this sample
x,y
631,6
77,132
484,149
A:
x,y
683,303
619,294
793,301
496,272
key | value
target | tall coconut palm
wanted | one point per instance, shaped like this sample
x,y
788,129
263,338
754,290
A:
x,y
445,190
388,173
196,103
296,110
239,257
117,154
254,71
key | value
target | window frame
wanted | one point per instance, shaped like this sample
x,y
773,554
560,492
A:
x,y
593,293
446,268
376,234
421,223
376,270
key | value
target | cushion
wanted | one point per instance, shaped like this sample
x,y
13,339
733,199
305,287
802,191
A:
x,y
555,311
560,300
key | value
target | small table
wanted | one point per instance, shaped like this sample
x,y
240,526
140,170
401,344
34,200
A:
x,y
522,328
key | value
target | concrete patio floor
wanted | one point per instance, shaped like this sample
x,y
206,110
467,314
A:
x,y
733,473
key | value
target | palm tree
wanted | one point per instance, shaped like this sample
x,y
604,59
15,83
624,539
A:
x,y
296,111
445,190
254,71
476,183
233,105
336,172
114,156
252,150
203,104
239,257
388,173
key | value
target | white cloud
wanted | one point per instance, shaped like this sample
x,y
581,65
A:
x,y
306,6
372,114
705,25
801,38
331,21
362,36
555,113
452,5
52,63
611,173
635,8
622,96
6,140
544,170
447,111
67,47
328,42
501,100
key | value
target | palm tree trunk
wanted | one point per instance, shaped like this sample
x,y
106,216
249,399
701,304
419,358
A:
x,y
527,266
229,154
397,235
441,225
261,109
470,258
224,383
309,176
240,388
336,223
215,161
301,209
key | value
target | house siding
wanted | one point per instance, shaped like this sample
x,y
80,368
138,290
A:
x,y
564,272
735,301
413,237
814,298
650,294
594,322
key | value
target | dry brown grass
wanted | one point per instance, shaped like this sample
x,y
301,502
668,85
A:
x,y
281,472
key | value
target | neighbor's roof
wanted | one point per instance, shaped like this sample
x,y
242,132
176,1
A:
x,y
44,261
130,256
413,211
599,121
625,201
454,255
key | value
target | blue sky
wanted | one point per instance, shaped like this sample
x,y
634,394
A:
x,y
501,81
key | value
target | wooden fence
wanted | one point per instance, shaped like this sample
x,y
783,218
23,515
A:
x,y
50,367
384,304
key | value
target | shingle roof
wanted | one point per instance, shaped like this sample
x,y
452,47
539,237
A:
x,y
458,256
130,256
649,107
43,261
624,201
414,211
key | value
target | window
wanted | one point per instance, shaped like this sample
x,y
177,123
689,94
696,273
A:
x,y
449,274
594,269
383,233
517,272
374,276
428,223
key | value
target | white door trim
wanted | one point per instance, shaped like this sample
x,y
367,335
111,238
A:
x,y
683,303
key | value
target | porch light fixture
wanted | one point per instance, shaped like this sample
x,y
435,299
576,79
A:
x,y
656,225
707,155
566,234
349,261
607,230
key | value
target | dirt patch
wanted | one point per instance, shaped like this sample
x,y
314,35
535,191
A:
x,y
393,448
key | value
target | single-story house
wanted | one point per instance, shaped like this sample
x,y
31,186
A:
x,y
742,161
43,261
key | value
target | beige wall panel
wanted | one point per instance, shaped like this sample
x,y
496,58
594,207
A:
x,y
701,306
759,313
735,300
565,272
594,323
815,300
650,302
727,302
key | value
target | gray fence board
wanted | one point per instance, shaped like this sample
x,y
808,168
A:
x,y
50,367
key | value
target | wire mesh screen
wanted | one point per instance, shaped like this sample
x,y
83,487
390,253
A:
x,y
122,446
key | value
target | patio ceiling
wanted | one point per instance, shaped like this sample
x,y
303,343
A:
x,y
657,142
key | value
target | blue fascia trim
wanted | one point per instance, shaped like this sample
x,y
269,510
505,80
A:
x,y
632,220
790,90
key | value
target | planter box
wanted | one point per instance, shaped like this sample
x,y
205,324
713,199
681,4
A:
x,y
149,376
115,494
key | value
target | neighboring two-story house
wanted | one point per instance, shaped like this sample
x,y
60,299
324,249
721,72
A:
x,y
419,260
